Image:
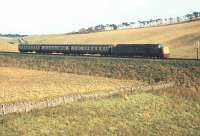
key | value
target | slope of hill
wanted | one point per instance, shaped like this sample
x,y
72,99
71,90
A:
x,y
8,44
180,37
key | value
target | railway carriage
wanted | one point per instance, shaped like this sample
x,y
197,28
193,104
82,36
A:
x,y
29,48
55,48
90,49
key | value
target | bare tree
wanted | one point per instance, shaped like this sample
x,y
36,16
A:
x,y
82,30
114,26
178,19
195,14
171,20
189,16
142,23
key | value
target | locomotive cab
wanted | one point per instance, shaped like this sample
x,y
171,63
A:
x,y
165,52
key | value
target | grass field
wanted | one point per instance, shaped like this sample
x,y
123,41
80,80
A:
x,y
180,37
138,114
32,85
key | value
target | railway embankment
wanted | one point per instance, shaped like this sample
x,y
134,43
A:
x,y
183,72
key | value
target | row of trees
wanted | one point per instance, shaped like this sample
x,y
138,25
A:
x,y
151,22
11,35
160,21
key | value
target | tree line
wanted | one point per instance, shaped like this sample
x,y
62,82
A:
x,y
12,35
139,24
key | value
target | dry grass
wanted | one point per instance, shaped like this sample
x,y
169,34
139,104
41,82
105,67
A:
x,y
28,85
180,37
8,44
141,114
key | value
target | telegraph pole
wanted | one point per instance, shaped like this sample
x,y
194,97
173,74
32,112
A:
x,y
197,44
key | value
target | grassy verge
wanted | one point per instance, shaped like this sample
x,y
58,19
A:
x,y
183,72
138,114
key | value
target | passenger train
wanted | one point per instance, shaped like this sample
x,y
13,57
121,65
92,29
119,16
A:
x,y
119,50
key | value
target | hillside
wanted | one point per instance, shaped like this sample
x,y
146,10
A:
x,y
8,44
180,37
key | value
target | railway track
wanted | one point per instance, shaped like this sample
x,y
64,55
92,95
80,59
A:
x,y
107,57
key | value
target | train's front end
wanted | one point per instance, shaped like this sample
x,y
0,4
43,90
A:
x,y
165,52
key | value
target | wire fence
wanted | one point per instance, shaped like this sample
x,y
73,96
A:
x,y
52,102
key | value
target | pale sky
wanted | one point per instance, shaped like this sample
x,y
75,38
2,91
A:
x,y
62,16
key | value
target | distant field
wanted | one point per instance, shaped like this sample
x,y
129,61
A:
x,y
180,37
30,85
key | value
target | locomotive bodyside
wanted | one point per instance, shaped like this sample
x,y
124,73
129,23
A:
x,y
140,50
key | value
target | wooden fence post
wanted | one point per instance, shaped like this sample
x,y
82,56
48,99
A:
x,y
47,103
3,109
197,44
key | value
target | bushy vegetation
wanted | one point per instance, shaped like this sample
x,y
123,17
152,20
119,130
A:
x,y
183,72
